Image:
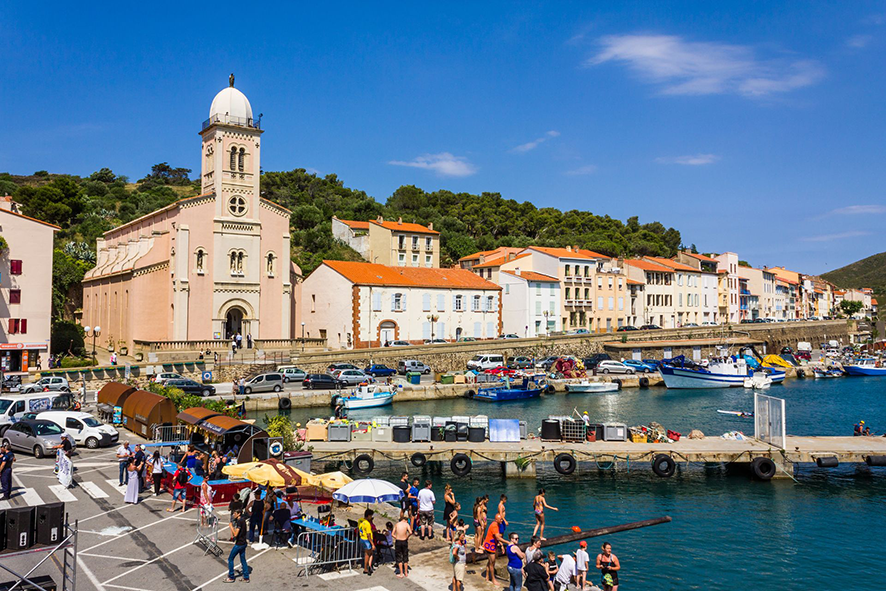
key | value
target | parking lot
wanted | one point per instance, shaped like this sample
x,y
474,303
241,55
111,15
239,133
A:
x,y
143,547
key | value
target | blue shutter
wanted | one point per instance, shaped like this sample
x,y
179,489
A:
x,y
441,303
478,331
376,302
490,330
441,330
403,302
426,302
426,330
453,303
393,302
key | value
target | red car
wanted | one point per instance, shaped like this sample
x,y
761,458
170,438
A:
x,y
501,370
804,355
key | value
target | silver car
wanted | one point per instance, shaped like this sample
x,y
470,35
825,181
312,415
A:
x,y
266,382
36,436
49,383
351,377
611,366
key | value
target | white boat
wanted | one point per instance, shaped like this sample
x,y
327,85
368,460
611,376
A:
x,y
586,387
368,396
731,372
758,381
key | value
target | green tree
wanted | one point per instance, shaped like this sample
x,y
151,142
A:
x,y
850,307
281,426
67,337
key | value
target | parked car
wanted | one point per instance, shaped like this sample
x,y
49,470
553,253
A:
x,y
161,377
83,428
501,371
592,361
653,363
650,327
507,336
485,361
12,383
191,387
435,341
804,355
292,373
49,383
13,408
547,362
400,344
579,331
379,371
521,363
37,437
337,366
690,325
266,382
638,366
351,377
319,381
466,339
626,328
611,366
407,365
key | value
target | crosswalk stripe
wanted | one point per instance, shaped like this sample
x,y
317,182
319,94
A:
x,y
93,490
115,484
5,505
63,494
30,497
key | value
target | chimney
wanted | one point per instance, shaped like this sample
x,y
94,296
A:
x,y
431,226
575,248
517,270
380,220
399,221
568,249
6,203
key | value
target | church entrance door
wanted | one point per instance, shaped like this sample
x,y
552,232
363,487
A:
x,y
233,322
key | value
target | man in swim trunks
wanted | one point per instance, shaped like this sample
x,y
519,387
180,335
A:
x,y
401,533
490,546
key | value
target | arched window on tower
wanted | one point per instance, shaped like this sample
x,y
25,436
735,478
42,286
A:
x,y
242,158
201,256
233,158
271,263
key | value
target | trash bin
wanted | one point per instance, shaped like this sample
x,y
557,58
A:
x,y
447,378
421,428
413,377
401,433
476,434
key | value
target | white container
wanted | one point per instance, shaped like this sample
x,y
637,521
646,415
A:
x,y
382,434
384,421
615,432
399,421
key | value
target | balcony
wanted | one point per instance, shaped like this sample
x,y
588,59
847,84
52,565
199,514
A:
x,y
231,120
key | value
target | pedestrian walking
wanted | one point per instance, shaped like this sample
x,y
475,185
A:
x,y
233,345
404,500
239,341
206,494
401,533
608,565
7,459
238,532
364,528
157,471
249,341
515,562
180,488
242,385
123,454
140,458
539,505
132,486
458,556
581,565
426,500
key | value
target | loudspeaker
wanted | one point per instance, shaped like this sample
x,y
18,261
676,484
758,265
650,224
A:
x,y
19,528
45,582
2,530
49,523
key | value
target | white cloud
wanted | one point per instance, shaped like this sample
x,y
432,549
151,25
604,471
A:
x,y
832,237
691,160
860,210
444,164
695,68
583,170
859,41
535,143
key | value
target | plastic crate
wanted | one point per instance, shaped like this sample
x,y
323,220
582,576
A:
x,y
315,431
479,421
572,430
464,420
421,420
381,434
638,437
421,431
440,421
363,433
383,421
674,435
339,432
524,431
398,421
615,432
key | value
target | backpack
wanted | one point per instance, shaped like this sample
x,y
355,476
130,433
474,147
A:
x,y
452,553
182,478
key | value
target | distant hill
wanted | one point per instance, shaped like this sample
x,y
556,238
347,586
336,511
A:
x,y
869,272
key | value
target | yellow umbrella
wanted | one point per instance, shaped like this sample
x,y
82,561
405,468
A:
x,y
270,472
330,481
236,471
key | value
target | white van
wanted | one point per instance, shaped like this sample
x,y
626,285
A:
x,y
13,407
82,427
804,346
486,361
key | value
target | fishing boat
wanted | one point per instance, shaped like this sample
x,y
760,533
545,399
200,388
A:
x,y
729,372
737,413
506,392
586,387
866,366
367,396
758,381
831,372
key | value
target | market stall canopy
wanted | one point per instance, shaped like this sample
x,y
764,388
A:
x,y
115,393
144,409
222,424
196,415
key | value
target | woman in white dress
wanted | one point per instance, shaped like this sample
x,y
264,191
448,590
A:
x,y
132,486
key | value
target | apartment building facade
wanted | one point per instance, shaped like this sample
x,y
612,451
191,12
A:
x,y
395,244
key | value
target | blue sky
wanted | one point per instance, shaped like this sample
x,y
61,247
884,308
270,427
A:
x,y
749,126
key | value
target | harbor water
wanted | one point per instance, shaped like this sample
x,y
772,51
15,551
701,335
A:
x,y
823,530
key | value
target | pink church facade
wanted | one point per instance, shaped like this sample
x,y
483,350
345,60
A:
x,y
206,267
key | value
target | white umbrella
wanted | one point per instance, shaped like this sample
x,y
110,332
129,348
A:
x,y
368,490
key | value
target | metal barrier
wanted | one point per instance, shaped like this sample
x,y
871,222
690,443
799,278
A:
x,y
769,420
207,535
319,552
171,433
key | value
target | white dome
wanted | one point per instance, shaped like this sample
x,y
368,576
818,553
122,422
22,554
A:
x,y
230,103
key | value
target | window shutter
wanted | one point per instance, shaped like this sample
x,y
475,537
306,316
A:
x,y
10,329
441,303
441,330
426,302
426,330
478,331
490,330
454,307
376,302
23,326
393,302
403,302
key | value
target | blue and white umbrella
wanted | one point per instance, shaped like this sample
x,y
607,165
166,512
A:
x,y
368,490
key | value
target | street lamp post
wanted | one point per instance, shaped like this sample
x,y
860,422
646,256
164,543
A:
x,y
302,337
546,314
432,318
92,332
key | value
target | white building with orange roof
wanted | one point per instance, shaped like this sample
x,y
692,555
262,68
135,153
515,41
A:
x,y
398,244
657,306
356,305
687,291
531,303
729,288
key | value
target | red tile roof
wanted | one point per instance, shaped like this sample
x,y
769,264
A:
x,y
672,264
873,301
533,276
21,215
355,225
476,255
648,266
499,261
635,282
404,227
700,257
563,253
375,274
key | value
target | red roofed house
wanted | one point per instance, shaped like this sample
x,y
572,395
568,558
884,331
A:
x,y
657,306
356,305
398,244
530,303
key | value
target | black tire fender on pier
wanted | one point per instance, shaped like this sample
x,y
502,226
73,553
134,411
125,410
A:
x,y
644,382
549,389
801,373
363,465
460,464
564,464
470,394
617,381
664,465
875,460
418,459
284,404
763,468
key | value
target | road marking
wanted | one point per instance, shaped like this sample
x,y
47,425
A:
x,y
127,588
89,575
225,573
124,558
339,575
115,484
161,557
30,497
93,490
127,533
5,505
63,494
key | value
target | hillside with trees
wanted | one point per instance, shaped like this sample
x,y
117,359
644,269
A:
x,y
868,272
85,208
